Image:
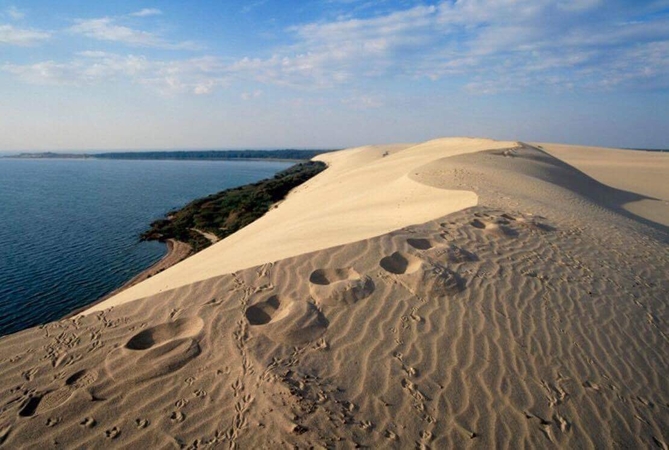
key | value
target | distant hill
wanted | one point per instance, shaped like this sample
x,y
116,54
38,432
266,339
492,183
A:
x,y
49,155
283,154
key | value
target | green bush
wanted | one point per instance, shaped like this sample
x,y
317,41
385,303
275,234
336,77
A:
x,y
228,211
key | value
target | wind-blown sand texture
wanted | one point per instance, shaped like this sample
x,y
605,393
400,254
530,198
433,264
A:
x,y
640,172
537,318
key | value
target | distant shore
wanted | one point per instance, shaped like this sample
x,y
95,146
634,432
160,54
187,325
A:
x,y
192,155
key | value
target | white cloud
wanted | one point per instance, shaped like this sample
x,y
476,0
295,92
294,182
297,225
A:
x,y
80,71
195,75
564,43
251,95
579,5
14,13
106,29
146,12
363,102
250,6
21,36
492,46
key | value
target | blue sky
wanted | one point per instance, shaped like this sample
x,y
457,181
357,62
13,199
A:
x,y
81,75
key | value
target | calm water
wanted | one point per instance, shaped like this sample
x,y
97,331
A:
x,y
69,229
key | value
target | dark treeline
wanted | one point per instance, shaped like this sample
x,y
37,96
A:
x,y
228,211
187,155
216,154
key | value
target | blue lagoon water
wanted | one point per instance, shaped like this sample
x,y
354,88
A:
x,y
69,229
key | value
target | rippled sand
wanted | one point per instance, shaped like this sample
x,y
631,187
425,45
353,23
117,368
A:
x,y
535,318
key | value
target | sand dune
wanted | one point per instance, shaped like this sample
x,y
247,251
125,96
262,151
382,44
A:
x,y
536,318
359,183
640,172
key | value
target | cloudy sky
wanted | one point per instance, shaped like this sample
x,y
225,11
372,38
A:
x,y
83,75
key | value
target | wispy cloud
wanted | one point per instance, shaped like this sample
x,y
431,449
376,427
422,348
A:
x,y
107,29
89,68
195,75
363,102
12,35
251,95
483,47
146,12
250,6
581,46
14,13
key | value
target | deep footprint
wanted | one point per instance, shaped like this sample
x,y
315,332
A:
x,y
262,313
156,351
457,254
45,402
287,321
155,336
401,263
336,286
420,244
501,227
82,379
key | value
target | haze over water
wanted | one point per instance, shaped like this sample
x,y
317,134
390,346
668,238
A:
x,y
69,229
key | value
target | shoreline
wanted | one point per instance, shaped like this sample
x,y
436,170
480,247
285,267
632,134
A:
x,y
177,251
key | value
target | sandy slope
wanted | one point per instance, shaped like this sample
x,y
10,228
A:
x,y
537,318
641,172
361,187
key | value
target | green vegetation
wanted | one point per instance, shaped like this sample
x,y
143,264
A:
x,y
228,211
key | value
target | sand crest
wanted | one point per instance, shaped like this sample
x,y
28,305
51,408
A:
x,y
367,182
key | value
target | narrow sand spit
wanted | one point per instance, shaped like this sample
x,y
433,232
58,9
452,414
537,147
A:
x,y
537,318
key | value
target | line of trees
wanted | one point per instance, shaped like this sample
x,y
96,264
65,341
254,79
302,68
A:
x,y
216,154
228,211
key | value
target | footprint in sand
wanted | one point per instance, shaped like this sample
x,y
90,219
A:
x,y
499,227
336,286
420,243
82,379
157,351
56,397
537,222
4,433
457,254
88,422
112,433
541,226
420,277
287,321
439,281
401,263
